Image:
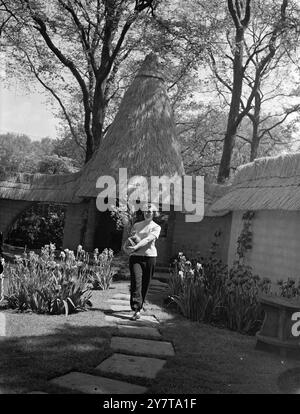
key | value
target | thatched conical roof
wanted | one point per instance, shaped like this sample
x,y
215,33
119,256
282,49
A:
x,y
142,137
270,183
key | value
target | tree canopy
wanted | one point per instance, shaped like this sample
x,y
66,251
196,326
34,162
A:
x,y
233,72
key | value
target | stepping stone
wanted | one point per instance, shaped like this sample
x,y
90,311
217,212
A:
x,y
142,346
125,319
118,302
121,296
138,331
162,276
120,308
92,384
158,287
132,366
158,283
157,290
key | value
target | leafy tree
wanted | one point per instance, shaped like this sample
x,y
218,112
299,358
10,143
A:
x,y
248,61
76,48
53,164
18,153
15,153
67,147
202,132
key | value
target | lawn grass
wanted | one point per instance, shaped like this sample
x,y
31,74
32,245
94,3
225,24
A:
x,y
41,347
213,360
208,360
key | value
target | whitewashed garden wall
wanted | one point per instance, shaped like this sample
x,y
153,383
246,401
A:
x,y
275,249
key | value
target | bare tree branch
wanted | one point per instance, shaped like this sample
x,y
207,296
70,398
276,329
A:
x,y
58,99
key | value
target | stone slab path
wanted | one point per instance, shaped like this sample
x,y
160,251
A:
x,y
121,302
139,352
125,319
145,347
92,384
139,331
121,296
130,365
120,308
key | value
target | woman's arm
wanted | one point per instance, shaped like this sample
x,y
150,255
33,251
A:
x,y
143,242
130,240
153,235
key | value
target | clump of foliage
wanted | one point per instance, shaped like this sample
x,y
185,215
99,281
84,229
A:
x,y
289,289
42,284
37,225
56,282
242,310
212,293
101,272
244,242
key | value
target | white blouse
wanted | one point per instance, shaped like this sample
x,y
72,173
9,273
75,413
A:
x,y
143,230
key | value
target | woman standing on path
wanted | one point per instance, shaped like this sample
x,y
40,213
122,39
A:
x,y
141,247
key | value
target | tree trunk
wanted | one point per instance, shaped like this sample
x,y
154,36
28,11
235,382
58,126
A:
x,y
99,107
89,136
255,125
232,123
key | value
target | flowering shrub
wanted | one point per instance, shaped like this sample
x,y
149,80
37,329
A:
x,y
212,293
42,284
55,283
101,273
241,308
289,289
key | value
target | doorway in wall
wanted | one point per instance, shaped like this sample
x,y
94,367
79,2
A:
x,y
107,234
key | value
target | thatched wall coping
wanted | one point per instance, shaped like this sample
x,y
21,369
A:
x,y
40,187
271,183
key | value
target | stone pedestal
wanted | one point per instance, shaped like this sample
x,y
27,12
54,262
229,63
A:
x,y
277,333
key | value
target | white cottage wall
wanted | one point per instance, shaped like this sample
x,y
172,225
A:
x,y
275,249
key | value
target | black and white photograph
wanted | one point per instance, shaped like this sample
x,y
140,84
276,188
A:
x,y
149,201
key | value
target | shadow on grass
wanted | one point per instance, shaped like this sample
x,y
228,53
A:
x,y
28,363
289,381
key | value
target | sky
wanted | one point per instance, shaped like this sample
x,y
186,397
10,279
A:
x,y
26,113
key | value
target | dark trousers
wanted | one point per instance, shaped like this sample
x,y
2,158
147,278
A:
x,y
141,271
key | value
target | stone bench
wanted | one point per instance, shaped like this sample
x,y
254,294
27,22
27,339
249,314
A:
x,y
278,332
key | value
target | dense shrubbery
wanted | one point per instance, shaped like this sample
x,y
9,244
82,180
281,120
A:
x,y
55,284
210,292
37,225
289,289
